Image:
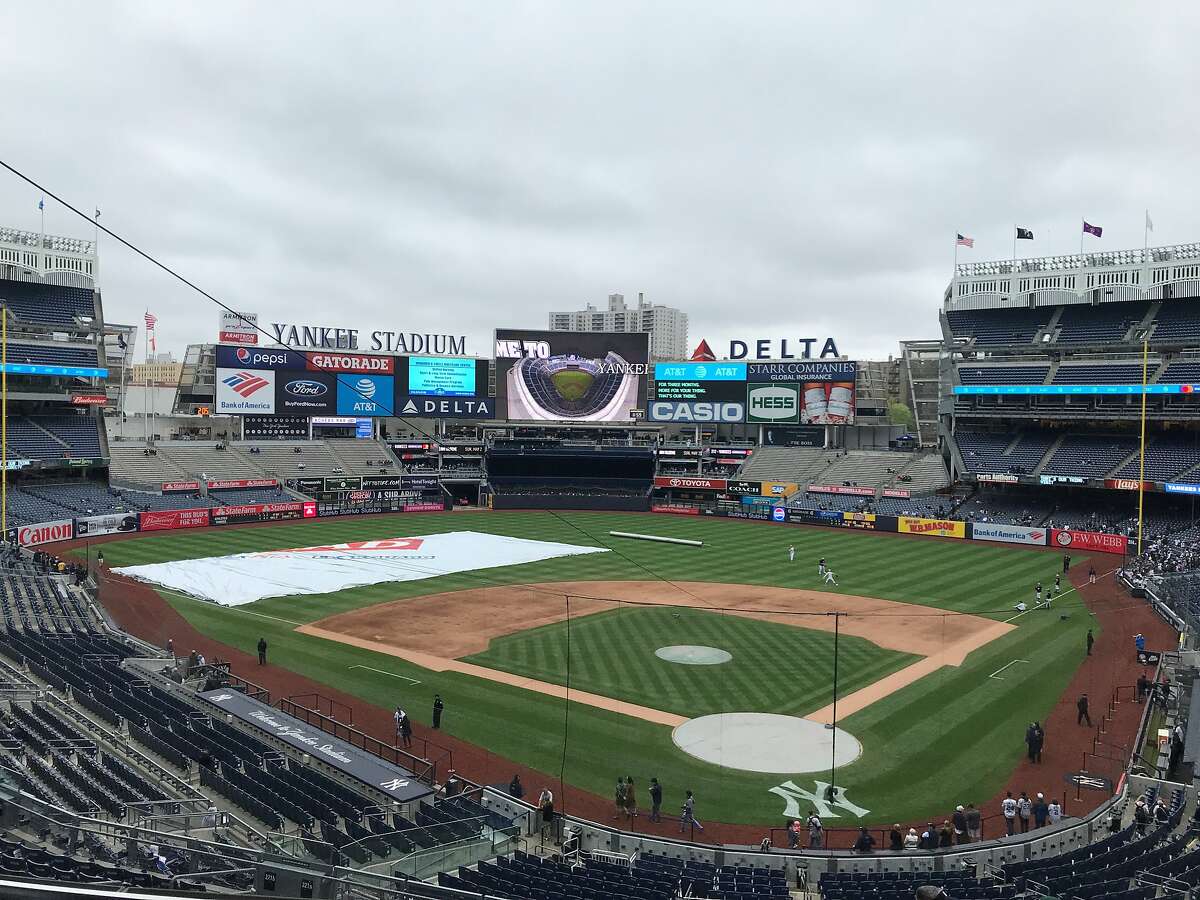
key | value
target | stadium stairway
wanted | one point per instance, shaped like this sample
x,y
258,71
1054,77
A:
x,y
129,464
354,455
1049,454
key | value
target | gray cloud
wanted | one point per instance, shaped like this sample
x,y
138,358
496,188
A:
x,y
776,170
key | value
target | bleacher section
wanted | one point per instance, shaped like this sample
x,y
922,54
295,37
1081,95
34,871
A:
x,y
204,461
925,475
1003,374
52,355
865,469
130,463
46,303
986,452
998,327
1177,322
786,464
1101,374
1187,372
360,457
1167,459
53,437
279,459
1089,456
903,885
1107,323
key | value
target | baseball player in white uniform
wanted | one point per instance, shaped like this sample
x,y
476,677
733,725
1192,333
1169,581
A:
x,y
792,553
830,578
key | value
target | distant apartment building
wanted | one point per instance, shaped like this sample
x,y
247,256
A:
x,y
161,369
667,326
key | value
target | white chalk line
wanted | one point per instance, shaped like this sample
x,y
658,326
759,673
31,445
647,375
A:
x,y
381,672
1045,604
996,674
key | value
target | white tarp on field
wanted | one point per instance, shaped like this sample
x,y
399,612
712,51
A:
x,y
246,577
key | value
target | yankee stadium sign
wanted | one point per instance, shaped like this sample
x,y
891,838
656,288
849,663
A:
x,y
320,337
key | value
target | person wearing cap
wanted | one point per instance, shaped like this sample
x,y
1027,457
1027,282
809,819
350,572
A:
x,y
1040,811
912,840
1141,816
960,824
1024,810
865,843
1054,812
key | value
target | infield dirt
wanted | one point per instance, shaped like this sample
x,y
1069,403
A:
x,y
433,631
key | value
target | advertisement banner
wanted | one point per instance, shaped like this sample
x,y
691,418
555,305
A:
x,y
794,436
814,516
1089,540
937,527
773,404
365,395
442,376
701,484
675,510
242,483
1180,487
256,512
811,393
109,524
841,489
899,493
237,327
744,488
700,382
424,507
570,376
1009,534
246,392
180,487
308,485
306,393
45,533
167,519
865,521
779,488
999,477
446,407
696,411
349,482
349,362
1128,484
89,399
258,358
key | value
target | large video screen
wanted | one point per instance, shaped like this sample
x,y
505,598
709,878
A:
x,y
570,376
436,376
801,393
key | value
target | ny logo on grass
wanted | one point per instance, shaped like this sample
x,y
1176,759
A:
x,y
792,794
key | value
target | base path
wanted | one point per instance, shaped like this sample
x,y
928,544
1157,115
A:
x,y
431,631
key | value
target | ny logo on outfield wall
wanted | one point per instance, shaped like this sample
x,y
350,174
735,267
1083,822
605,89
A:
x,y
820,800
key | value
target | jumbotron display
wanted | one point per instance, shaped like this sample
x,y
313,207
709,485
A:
x,y
570,376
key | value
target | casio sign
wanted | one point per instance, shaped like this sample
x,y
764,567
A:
x,y
696,411
305,388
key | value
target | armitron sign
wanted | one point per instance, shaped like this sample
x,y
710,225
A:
x,y
695,484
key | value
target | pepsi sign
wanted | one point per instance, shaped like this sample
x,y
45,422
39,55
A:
x,y
258,358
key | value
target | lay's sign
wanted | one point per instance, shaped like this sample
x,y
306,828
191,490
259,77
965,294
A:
x,y
935,527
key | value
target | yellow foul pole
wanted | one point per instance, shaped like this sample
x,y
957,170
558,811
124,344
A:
x,y
3,422
1142,448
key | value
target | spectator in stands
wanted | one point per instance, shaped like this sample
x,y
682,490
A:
x,y
1162,815
1141,816
865,843
1177,744
262,651
912,840
655,800
546,807
795,830
895,839
816,831
516,790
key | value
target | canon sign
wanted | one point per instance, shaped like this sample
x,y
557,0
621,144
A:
x,y
46,532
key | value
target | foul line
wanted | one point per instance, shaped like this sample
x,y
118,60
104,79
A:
x,y
1045,604
381,672
996,674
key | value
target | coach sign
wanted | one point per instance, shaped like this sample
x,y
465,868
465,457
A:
x,y
376,773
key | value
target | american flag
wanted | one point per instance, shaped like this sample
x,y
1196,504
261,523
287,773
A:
x,y
964,241
151,321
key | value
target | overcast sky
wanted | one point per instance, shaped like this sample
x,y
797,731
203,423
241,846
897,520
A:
x,y
776,170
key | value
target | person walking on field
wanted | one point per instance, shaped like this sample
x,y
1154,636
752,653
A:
x,y
438,706
1091,574
262,651
1066,562
630,798
1081,705
1091,639
655,800
619,799
815,832
821,567
406,730
1039,740
687,814
1031,741
792,553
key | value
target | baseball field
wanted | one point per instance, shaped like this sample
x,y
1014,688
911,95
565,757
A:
x,y
937,673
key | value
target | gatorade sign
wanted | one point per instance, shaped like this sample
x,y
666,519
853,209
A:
x,y
776,404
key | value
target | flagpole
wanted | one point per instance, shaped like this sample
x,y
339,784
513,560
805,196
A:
x,y
1014,246
1082,233
146,387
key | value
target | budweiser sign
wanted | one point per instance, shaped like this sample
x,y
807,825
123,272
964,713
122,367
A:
x,y
88,399
173,518
703,484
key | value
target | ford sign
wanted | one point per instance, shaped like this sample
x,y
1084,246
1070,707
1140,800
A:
x,y
306,388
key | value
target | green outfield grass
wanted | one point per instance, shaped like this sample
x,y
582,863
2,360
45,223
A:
x,y
952,737
612,653
572,384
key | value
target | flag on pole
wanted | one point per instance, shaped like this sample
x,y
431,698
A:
x,y
1094,230
97,214
42,204
964,241
1149,221
1024,234
151,321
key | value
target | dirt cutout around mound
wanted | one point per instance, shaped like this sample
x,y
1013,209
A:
x,y
434,630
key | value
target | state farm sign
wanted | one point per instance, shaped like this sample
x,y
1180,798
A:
x,y
46,532
1089,540
702,484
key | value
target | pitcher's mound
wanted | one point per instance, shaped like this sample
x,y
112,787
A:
x,y
694,655
765,742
